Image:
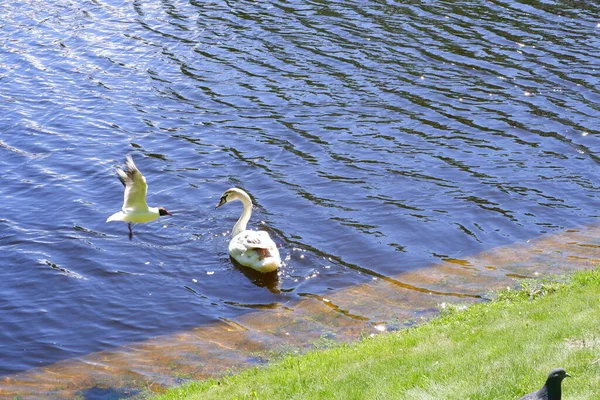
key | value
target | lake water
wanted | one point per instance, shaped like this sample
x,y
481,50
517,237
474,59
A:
x,y
376,138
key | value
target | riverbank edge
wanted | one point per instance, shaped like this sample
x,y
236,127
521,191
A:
x,y
500,349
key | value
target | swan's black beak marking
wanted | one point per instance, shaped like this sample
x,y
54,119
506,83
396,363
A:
x,y
222,201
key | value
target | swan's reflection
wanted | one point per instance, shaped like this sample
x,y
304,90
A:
x,y
269,280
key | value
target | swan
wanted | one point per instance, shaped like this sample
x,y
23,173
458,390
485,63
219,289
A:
x,y
135,209
253,249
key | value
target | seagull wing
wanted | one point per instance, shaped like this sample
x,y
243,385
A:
x,y
135,187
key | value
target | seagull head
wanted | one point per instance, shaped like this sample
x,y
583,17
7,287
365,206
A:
x,y
162,211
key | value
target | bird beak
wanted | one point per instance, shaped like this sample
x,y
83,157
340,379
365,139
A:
x,y
221,202
567,375
168,213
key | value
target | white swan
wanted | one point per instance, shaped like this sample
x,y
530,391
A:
x,y
253,249
135,209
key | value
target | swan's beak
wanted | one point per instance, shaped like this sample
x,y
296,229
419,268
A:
x,y
221,202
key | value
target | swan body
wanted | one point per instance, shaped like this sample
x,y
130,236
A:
x,y
135,209
254,249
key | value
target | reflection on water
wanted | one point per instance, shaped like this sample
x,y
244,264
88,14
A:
x,y
377,139
269,280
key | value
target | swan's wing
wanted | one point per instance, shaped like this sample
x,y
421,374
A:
x,y
254,244
256,240
135,186
255,249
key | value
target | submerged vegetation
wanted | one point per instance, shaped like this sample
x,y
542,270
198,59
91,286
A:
x,y
496,350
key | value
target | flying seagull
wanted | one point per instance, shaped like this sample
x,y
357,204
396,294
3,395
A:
x,y
551,389
135,209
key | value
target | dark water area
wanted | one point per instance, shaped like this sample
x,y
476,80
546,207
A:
x,y
375,138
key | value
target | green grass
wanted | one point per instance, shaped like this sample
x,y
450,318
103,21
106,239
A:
x,y
497,350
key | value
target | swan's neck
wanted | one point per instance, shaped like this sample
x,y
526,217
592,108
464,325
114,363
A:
x,y
240,225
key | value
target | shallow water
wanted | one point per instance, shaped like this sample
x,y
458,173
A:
x,y
376,138
383,304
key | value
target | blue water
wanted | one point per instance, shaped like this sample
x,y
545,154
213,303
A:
x,y
375,137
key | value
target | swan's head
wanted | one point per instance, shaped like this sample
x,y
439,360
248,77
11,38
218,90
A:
x,y
233,194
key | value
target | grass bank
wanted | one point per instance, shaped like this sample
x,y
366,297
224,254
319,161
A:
x,y
497,350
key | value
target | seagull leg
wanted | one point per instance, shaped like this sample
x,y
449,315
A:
x,y
130,231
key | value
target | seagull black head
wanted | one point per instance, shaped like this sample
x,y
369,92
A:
x,y
162,212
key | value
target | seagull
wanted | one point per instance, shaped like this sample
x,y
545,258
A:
x,y
551,389
135,209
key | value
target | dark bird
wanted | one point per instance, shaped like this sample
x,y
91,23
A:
x,y
551,389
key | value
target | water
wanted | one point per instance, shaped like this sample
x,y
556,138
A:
x,y
375,138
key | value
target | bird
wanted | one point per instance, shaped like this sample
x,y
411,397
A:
x,y
551,389
135,209
253,249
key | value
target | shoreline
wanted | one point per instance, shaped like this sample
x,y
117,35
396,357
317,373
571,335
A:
x,y
501,349
384,304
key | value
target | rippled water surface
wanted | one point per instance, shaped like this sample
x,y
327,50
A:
x,y
375,138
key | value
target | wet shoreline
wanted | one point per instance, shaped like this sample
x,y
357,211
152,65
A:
x,y
384,304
